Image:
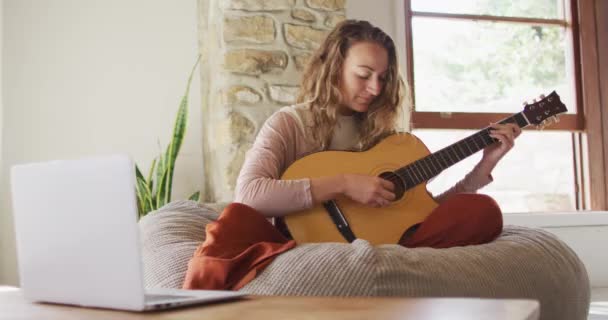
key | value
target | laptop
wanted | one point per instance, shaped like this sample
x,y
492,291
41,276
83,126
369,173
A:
x,y
78,239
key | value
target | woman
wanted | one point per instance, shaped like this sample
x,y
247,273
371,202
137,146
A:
x,y
351,98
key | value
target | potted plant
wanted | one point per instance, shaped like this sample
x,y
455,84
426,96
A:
x,y
154,191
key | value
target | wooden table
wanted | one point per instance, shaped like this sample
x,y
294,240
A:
x,y
13,306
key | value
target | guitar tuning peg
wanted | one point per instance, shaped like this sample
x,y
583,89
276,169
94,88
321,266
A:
x,y
541,126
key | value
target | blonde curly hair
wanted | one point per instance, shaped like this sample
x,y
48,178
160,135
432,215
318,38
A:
x,y
320,86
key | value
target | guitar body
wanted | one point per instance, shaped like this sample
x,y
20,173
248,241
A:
x,y
383,225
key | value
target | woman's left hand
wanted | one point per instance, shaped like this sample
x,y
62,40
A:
x,y
506,135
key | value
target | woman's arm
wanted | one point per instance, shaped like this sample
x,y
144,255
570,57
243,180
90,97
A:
x,y
368,190
258,184
481,175
274,149
473,181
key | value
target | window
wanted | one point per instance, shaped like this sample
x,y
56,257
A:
x,y
473,62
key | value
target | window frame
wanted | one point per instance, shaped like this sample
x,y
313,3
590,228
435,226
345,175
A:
x,y
590,72
592,33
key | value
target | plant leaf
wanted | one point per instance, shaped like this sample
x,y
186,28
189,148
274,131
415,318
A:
x,y
161,190
195,196
140,194
160,170
147,205
143,194
150,174
179,130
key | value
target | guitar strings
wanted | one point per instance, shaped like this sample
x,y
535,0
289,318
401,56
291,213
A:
x,y
418,174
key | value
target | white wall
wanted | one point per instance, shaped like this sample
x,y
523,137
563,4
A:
x,y
4,229
88,77
1,105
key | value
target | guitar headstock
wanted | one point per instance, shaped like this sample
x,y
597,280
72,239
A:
x,y
547,107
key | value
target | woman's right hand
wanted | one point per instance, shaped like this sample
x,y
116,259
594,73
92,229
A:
x,y
369,190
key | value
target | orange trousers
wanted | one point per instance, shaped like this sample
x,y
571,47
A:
x,y
461,220
242,242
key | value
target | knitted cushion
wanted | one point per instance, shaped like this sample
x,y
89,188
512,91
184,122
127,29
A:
x,y
521,263
169,238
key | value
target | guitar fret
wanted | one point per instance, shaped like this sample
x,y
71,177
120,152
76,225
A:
x,y
472,138
416,173
451,156
458,152
412,180
435,157
408,178
416,178
435,165
455,154
440,160
487,136
429,165
419,173
480,144
426,162
448,158
451,153
421,169
483,139
484,142
450,162
480,141
476,142
427,171
442,157
468,146
464,152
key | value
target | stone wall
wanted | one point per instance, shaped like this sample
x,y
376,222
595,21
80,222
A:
x,y
253,52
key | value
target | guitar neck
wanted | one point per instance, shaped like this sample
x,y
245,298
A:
x,y
430,166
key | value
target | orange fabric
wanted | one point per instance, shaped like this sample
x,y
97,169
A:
x,y
461,220
238,246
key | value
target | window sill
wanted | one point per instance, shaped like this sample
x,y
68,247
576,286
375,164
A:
x,y
557,219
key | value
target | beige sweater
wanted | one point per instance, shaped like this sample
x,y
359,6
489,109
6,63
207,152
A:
x,y
282,140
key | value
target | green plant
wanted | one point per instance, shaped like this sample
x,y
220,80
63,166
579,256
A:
x,y
155,191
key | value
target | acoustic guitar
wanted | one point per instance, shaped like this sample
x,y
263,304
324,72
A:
x,y
402,159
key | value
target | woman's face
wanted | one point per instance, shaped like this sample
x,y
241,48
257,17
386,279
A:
x,y
363,76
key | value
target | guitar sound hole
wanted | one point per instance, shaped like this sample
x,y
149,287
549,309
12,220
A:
x,y
398,182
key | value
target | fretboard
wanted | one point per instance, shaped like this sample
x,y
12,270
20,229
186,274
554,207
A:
x,y
430,166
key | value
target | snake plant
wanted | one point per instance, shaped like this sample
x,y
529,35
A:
x,y
154,191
